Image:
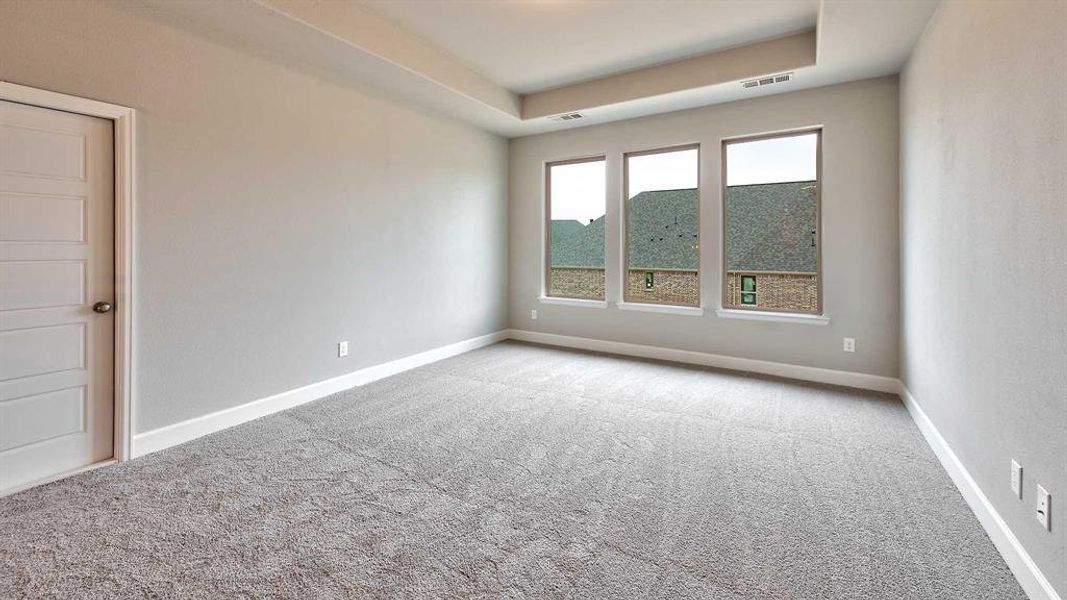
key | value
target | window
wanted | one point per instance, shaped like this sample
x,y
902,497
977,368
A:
x,y
576,197
771,216
748,290
662,218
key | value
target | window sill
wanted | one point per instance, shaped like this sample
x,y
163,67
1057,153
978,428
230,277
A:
x,y
779,317
573,302
694,311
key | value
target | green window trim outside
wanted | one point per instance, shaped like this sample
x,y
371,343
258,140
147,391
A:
x,y
748,290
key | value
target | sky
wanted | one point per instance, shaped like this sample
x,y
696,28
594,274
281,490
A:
x,y
664,171
771,161
579,190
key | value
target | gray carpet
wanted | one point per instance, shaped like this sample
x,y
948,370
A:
x,y
518,471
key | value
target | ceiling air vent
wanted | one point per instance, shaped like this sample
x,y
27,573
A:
x,y
769,80
567,117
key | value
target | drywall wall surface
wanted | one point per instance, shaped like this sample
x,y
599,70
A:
x,y
984,251
277,213
859,229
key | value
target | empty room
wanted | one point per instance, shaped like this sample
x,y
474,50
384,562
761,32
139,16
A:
x,y
584,299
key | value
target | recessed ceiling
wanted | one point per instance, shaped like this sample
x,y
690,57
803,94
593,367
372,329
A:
x,y
533,46
510,66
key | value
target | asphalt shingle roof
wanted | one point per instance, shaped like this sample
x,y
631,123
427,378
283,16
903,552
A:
x,y
578,245
562,228
769,230
769,227
663,229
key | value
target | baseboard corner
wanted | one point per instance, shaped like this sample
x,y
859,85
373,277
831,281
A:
x,y
1022,565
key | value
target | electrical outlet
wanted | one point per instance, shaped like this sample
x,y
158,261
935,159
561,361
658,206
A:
x,y
1016,479
1044,508
533,314
342,349
849,345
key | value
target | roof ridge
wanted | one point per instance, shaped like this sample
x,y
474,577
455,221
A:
x,y
656,191
774,183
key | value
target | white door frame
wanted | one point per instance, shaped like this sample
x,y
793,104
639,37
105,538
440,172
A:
x,y
123,118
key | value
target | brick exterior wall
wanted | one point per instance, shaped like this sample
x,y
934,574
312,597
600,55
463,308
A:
x,y
577,282
671,286
776,291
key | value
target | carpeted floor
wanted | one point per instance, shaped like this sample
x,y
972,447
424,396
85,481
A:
x,y
519,471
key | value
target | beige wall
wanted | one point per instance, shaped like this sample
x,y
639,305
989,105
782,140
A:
x,y
278,212
984,251
860,242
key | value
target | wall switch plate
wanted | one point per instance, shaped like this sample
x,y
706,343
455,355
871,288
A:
x,y
1016,479
1044,508
342,349
849,345
533,314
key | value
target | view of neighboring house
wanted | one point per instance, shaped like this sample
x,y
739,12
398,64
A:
x,y
662,251
577,259
771,256
771,251
663,248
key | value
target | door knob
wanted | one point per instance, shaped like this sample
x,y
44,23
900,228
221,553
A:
x,y
102,307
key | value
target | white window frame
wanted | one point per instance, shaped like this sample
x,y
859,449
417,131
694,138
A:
x,y
727,309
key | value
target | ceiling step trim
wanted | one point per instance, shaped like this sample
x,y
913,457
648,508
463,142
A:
x,y
750,61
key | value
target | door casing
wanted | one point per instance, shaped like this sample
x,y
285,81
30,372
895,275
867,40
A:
x,y
123,121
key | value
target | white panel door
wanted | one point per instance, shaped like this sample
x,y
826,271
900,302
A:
x,y
56,263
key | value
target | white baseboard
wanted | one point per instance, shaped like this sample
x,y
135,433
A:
x,y
178,433
831,376
1030,577
172,435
